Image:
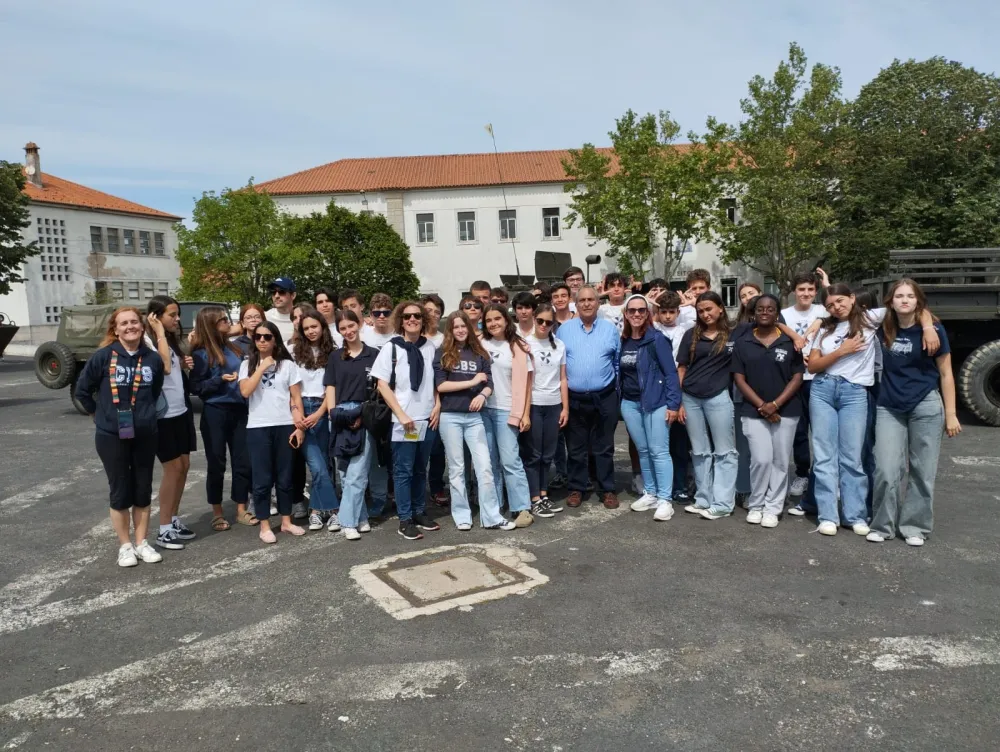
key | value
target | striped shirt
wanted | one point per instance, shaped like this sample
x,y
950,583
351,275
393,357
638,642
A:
x,y
590,355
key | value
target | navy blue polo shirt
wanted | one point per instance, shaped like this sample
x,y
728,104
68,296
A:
x,y
767,371
908,373
708,373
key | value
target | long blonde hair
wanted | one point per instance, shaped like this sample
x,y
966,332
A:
x,y
450,347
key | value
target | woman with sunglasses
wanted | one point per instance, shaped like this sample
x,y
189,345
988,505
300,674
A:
x,y
549,408
380,331
463,382
650,395
311,353
215,379
508,409
270,381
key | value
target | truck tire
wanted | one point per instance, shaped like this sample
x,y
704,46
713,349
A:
x,y
55,365
979,383
72,395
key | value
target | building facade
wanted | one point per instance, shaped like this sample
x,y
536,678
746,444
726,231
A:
x,y
90,243
466,216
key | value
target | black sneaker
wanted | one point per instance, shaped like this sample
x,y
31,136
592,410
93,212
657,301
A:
x,y
682,497
183,531
554,506
409,531
424,522
540,509
557,481
169,539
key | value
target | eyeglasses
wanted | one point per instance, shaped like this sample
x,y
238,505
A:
x,y
411,316
263,337
472,304
631,311
543,322
380,313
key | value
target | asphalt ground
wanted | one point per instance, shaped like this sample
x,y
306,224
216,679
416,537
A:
x,y
687,634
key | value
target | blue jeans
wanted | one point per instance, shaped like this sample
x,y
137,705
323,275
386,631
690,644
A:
x,y
409,473
354,480
505,457
559,460
838,411
458,430
378,483
651,435
271,457
711,428
322,494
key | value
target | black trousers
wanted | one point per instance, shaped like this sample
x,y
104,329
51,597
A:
x,y
129,467
800,445
272,458
540,443
222,427
593,418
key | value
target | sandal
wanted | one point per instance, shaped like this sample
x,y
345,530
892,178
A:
x,y
219,524
247,518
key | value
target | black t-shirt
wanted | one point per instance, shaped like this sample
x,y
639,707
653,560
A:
x,y
468,367
767,371
708,373
629,369
350,377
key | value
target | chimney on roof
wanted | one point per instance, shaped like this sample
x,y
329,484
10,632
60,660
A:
x,y
32,164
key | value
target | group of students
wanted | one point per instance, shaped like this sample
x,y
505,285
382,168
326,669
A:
x,y
842,404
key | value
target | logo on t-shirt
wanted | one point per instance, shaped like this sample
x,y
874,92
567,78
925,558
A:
x,y
267,380
125,375
494,354
780,355
545,356
629,358
902,347
801,327
468,366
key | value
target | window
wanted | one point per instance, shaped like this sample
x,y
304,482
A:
x,y
550,223
46,221
425,228
467,227
508,224
96,240
128,241
117,291
112,239
729,297
729,205
148,290
143,242
158,246
771,287
164,289
133,290
591,231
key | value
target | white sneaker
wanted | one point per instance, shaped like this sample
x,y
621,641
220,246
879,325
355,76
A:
x,y
915,540
875,537
126,556
644,503
333,524
147,553
799,486
364,527
769,520
754,516
274,510
351,533
638,487
505,525
464,526
827,528
664,511
315,521
693,509
860,528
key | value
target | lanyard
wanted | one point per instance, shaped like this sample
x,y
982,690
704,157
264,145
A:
x,y
114,382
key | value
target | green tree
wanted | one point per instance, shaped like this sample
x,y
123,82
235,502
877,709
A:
x,y
784,174
14,217
359,251
922,169
236,247
650,192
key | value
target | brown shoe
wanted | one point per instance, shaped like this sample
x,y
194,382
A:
x,y
610,500
574,499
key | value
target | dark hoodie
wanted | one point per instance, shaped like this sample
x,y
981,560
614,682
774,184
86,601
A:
x,y
94,378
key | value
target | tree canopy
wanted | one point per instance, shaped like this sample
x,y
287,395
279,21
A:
x,y
14,217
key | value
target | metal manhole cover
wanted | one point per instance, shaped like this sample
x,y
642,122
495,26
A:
x,y
438,579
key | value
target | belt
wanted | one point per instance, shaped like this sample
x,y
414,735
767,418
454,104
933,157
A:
x,y
594,394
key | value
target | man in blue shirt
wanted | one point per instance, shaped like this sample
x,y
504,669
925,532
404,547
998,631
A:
x,y
592,346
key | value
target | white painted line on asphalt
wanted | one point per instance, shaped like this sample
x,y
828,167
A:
x,y
17,741
908,653
977,461
21,501
103,692
22,382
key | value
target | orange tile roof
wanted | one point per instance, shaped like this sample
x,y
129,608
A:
x,y
66,193
414,173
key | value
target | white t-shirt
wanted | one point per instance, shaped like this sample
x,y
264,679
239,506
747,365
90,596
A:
x,y
417,405
173,383
547,362
613,313
312,380
338,340
281,320
800,321
373,339
502,367
269,403
435,339
675,333
858,367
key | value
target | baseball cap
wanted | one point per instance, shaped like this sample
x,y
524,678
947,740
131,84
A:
x,y
282,283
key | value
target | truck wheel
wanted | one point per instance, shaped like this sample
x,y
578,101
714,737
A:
x,y
55,365
72,395
979,383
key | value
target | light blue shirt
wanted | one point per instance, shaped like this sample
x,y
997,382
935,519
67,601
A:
x,y
591,356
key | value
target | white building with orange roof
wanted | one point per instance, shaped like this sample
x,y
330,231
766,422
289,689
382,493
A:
x,y
89,241
464,216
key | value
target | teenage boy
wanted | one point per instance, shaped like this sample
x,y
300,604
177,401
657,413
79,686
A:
x,y
473,307
573,277
562,300
481,290
669,323
498,296
379,332
350,300
524,313
434,308
282,292
800,317
615,286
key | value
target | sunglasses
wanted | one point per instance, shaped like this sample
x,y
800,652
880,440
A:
x,y
380,313
635,310
411,316
498,301
469,306
543,322
263,337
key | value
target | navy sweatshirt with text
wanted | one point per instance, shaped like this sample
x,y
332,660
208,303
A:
x,y
93,387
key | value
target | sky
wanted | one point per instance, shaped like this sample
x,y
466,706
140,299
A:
x,y
157,102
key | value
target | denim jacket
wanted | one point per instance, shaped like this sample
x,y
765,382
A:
x,y
658,383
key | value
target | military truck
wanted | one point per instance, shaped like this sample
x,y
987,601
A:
x,y
81,329
963,290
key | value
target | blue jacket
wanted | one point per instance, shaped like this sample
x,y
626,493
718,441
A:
x,y
207,382
93,387
658,383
